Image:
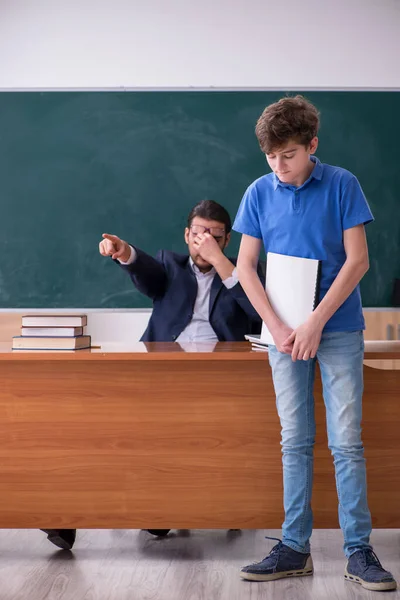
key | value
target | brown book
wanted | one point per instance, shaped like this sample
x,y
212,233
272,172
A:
x,y
54,320
51,331
51,343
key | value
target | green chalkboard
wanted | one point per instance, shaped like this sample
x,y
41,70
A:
x,y
76,164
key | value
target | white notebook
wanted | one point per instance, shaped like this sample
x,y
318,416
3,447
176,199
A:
x,y
292,286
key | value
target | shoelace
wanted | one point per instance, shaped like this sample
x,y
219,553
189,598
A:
x,y
370,558
275,539
276,549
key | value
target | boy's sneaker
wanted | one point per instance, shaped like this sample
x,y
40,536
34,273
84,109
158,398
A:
x,y
364,567
281,562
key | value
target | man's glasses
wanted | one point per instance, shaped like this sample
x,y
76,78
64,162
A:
x,y
214,231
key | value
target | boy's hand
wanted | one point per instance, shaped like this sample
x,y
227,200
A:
x,y
281,335
207,247
115,247
305,339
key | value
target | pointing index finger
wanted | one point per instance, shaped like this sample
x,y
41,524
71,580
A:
x,y
108,236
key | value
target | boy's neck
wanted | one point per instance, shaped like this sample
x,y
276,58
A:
x,y
306,174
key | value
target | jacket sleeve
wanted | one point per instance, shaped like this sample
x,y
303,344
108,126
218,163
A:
x,y
148,274
240,296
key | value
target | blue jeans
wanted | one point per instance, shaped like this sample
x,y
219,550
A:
x,y
340,357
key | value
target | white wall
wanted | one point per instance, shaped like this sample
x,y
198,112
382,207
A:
x,y
201,43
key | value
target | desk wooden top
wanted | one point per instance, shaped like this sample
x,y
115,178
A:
x,y
232,351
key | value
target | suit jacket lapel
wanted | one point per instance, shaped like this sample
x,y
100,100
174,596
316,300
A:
x,y
216,287
192,286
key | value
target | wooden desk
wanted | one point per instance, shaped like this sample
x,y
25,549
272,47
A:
x,y
155,437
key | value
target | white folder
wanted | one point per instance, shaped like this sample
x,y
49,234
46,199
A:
x,y
292,286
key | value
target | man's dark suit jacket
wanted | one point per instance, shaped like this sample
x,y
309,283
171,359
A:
x,y
170,282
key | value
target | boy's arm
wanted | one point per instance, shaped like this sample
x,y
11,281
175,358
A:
x,y
211,252
247,271
306,338
239,295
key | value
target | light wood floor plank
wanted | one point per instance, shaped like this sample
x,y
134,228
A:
x,y
187,565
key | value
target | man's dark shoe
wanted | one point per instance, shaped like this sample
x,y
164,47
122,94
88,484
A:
x,y
159,532
364,567
62,538
281,562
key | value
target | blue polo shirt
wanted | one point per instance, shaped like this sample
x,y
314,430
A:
x,y
308,221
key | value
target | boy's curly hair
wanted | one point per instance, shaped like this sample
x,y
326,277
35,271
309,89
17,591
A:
x,y
290,119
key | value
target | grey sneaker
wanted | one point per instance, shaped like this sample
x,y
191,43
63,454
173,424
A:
x,y
364,567
281,562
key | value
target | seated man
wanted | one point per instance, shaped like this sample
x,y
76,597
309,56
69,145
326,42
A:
x,y
196,297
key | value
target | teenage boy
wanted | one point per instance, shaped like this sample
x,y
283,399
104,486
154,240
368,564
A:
x,y
308,209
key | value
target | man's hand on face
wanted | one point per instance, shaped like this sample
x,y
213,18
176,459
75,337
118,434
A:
x,y
207,247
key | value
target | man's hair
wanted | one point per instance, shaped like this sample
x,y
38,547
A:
x,y
290,119
212,211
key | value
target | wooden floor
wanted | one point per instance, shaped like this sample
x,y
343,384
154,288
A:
x,y
187,565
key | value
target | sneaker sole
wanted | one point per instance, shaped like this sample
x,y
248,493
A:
x,y
368,585
307,570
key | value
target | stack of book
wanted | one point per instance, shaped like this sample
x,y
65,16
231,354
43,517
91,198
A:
x,y
52,332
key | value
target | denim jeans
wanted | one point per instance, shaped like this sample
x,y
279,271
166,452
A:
x,y
340,357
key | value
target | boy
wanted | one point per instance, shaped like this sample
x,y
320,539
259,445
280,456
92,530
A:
x,y
308,209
